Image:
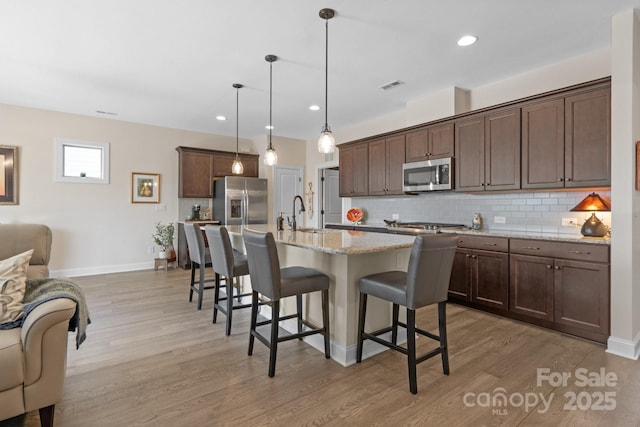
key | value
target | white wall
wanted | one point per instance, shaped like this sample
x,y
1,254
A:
x,y
95,227
625,131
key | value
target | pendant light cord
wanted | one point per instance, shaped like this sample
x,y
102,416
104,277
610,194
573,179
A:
x,y
326,75
237,118
270,101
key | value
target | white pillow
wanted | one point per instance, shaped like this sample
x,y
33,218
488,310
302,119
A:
x,y
13,276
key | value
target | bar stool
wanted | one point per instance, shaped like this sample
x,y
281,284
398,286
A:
x,y
200,257
275,283
426,282
229,263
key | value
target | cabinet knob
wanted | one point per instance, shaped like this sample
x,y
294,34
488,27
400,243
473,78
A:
x,y
474,256
557,267
531,248
580,252
549,266
560,179
467,256
568,179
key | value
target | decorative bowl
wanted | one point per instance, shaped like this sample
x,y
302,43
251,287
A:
x,y
354,215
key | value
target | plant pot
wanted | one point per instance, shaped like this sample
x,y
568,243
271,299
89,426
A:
x,y
162,254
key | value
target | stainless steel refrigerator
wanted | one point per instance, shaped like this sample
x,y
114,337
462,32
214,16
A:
x,y
238,200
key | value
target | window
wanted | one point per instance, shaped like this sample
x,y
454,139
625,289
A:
x,y
82,161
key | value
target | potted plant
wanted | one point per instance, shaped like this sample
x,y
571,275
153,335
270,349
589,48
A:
x,y
163,237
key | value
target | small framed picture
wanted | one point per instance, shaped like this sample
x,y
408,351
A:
x,y
145,187
8,175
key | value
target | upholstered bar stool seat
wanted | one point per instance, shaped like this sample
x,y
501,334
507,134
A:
x,y
200,257
425,282
275,283
230,264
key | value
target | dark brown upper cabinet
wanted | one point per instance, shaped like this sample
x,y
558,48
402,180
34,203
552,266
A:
x,y
386,157
198,166
487,150
566,141
354,170
432,142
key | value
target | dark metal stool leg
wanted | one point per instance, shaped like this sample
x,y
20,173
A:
x,y
273,348
193,280
299,309
442,324
201,287
363,309
216,298
254,316
411,350
394,329
229,281
325,322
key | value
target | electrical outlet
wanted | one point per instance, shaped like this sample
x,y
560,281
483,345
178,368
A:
x,y
569,222
395,216
150,249
499,220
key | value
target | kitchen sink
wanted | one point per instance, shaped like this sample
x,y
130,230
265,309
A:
x,y
311,230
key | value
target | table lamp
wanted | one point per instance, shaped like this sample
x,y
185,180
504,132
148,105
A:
x,y
593,203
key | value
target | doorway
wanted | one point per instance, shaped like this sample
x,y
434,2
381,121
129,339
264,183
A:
x,y
329,198
287,183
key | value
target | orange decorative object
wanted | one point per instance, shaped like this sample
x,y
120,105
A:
x,y
354,215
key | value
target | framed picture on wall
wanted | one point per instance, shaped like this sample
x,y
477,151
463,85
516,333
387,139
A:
x,y
8,175
145,187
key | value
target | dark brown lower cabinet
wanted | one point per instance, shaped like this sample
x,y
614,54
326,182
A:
x,y
481,276
564,284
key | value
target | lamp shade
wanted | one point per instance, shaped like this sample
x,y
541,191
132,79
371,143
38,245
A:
x,y
593,202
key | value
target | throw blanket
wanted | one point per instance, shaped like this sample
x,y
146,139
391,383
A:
x,y
39,291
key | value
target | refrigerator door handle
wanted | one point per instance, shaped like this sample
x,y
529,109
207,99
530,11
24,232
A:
x,y
245,210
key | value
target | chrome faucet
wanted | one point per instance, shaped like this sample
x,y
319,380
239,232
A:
x,y
293,216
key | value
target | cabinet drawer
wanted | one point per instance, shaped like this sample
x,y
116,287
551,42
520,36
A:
x,y
499,244
565,250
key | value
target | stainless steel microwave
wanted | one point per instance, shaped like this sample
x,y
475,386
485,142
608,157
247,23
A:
x,y
429,175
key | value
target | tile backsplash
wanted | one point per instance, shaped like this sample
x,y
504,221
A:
x,y
531,211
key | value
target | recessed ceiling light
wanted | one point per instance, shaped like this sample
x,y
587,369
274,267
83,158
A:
x,y
268,127
221,118
314,107
391,85
467,40
108,113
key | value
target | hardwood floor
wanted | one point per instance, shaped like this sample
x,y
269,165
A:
x,y
152,359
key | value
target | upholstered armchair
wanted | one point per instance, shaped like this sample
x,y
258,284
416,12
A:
x,y
33,357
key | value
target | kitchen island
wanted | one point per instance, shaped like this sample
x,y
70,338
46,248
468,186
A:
x,y
345,256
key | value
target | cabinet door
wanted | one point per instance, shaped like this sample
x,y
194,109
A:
x,y
502,150
395,154
377,167
588,139
417,147
531,286
543,144
469,160
490,280
460,282
441,141
250,163
581,296
345,172
361,170
195,175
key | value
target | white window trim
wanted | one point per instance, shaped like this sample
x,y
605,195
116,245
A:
x,y
60,143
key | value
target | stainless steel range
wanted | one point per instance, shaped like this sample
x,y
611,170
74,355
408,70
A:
x,y
422,227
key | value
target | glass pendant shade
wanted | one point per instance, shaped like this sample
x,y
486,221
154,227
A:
x,y
270,157
237,167
326,142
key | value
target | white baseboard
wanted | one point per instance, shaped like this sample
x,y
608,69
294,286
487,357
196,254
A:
x,y
92,271
624,348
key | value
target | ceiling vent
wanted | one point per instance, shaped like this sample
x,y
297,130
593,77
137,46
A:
x,y
391,85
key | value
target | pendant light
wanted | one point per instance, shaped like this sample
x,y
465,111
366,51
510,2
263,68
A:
x,y
270,156
326,142
237,167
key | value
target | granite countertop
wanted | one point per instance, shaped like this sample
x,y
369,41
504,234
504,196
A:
x,y
340,242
